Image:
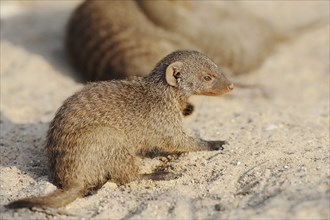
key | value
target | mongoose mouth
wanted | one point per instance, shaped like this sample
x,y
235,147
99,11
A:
x,y
218,92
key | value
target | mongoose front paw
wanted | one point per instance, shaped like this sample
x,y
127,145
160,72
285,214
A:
x,y
216,145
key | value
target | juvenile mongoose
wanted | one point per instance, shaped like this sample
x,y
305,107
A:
x,y
115,40
97,133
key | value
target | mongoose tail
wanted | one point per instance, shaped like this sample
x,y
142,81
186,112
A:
x,y
56,199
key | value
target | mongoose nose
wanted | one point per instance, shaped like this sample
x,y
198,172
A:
x,y
230,87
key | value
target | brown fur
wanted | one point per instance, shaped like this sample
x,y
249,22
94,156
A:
x,y
98,132
115,40
231,36
120,39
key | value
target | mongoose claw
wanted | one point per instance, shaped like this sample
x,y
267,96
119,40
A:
x,y
216,145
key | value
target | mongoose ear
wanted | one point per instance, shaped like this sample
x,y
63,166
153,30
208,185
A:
x,y
173,73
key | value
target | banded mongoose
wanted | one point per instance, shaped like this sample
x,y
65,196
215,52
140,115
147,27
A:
x,y
115,40
227,33
120,39
98,132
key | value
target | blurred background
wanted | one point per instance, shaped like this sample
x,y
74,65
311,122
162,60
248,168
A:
x,y
33,53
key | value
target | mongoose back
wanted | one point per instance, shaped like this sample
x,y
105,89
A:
x,y
115,40
120,39
231,36
98,132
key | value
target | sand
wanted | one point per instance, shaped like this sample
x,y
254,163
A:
x,y
276,165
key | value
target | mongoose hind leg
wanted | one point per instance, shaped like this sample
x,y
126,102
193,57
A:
x,y
129,171
126,171
123,167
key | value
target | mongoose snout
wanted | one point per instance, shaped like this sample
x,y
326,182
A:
x,y
218,90
215,85
99,131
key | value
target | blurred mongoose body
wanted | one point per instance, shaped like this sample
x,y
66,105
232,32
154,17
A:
x,y
119,39
232,37
98,132
115,40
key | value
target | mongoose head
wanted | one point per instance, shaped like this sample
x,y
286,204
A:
x,y
195,74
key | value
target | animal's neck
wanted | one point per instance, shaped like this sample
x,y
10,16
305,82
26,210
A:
x,y
158,83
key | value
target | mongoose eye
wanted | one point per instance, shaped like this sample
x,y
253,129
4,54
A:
x,y
207,78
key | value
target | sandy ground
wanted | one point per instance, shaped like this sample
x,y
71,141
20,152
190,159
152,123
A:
x,y
275,167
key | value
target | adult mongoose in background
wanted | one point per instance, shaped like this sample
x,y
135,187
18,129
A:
x,y
98,132
115,40
118,39
230,35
